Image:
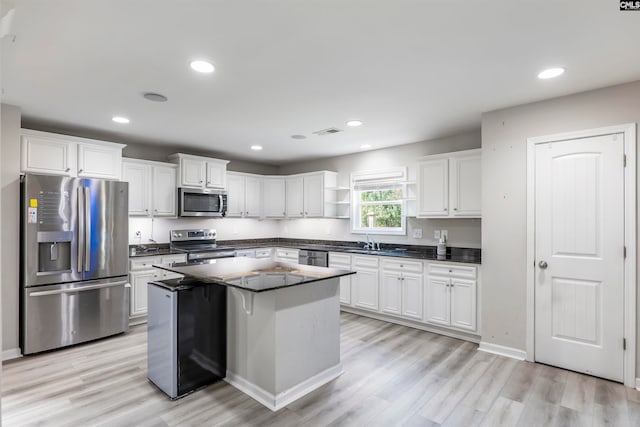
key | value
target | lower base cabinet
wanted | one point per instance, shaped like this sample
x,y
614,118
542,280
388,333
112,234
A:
x,y
365,283
141,272
434,293
451,296
343,262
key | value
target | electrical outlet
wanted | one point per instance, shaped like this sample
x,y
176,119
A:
x,y
436,234
417,233
444,234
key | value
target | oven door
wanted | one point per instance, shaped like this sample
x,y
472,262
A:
x,y
204,203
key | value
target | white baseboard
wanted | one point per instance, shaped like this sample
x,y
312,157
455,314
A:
x,y
276,402
12,353
466,336
501,350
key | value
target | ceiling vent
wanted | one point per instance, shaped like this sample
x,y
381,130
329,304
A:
x,y
327,131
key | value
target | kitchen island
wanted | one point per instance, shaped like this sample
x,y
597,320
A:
x,y
283,325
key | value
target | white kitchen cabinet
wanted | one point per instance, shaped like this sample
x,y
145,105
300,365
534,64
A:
x,y
463,303
152,187
244,195
141,272
99,161
138,176
138,297
401,287
295,197
365,282
343,262
200,172
391,292
465,185
164,190
451,295
55,154
314,194
311,195
433,188
449,185
286,255
274,197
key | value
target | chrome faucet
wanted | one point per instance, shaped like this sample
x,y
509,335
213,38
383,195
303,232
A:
x,y
371,244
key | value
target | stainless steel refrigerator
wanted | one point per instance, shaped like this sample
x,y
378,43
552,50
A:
x,y
73,261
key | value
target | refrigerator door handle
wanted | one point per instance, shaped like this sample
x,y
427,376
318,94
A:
x,y
78,289
81,230
87,240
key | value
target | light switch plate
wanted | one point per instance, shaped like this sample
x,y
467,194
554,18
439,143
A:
x,y
444,234
436,234
417,233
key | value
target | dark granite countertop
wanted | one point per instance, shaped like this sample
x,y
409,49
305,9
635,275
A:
x,y
462,255
255,275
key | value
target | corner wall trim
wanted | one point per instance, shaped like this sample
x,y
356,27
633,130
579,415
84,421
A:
x,y
638,384
513,353
12,353
279,401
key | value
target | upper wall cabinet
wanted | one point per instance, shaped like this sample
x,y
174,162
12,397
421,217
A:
x,y
274,197
152,187
200,172
244,195
49,153
308,195
449,185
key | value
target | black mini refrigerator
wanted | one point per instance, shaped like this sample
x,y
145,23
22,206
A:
x,y
186,335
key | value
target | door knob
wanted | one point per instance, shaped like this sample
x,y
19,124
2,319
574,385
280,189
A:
x,y
543,265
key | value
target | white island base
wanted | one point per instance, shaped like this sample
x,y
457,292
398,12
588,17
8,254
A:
x,y
284,343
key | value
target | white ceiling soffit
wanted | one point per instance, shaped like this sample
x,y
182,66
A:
x,y
410,70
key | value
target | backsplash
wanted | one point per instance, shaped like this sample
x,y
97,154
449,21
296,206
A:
x,y
462,232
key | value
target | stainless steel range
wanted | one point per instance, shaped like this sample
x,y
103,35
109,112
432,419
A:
x,y
199,245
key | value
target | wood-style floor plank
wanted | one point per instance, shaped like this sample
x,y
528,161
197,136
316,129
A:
x,y
393,376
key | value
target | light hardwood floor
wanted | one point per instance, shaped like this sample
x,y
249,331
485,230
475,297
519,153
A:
x,y
394,375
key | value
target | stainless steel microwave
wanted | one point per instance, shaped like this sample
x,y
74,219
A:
x,y
202,203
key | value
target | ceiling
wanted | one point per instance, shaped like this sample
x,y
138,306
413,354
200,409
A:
x,y
411,70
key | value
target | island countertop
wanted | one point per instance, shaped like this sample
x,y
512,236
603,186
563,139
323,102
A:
x,y
255,275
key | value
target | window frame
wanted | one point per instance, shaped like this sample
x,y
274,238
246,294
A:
x,y
387,179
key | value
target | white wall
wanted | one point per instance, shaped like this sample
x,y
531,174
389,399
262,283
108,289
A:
x,y
10,223
462,232
227,228
504,138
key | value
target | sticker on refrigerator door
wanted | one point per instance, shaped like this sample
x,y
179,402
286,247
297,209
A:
x,y
33,203
32,216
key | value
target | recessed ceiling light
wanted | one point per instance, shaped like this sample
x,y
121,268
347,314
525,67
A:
x,y
155,97
354,123
120,119
298,137
550,73
365,146
256,147
202,66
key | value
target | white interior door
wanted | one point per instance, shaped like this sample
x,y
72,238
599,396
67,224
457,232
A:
x,y
579,255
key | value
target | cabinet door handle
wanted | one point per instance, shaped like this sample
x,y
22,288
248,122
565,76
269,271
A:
x,y
306,213
208,182
155,210
80,170
455,209
67,169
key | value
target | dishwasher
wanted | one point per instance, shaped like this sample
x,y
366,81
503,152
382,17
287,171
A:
x,y
186,335
313,257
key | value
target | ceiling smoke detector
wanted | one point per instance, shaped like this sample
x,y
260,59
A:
x,y
327,131
155,97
